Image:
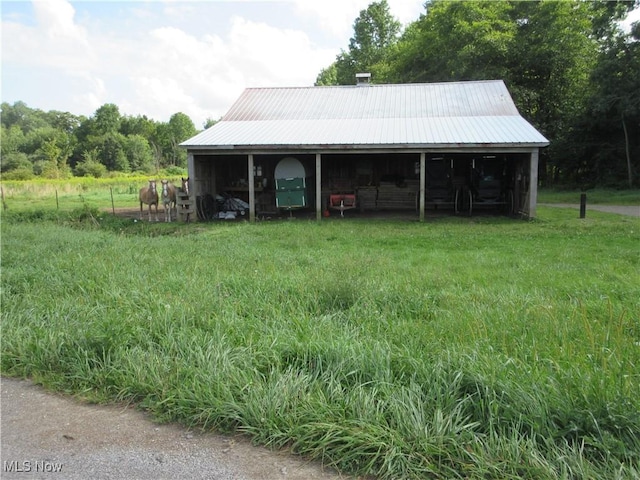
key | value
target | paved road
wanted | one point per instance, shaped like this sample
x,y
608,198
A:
x,y
49,436
630,210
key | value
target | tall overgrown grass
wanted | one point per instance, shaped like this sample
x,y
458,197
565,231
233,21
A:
x,y
458,348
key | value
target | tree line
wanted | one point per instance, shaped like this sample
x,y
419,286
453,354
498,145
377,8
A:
x,y
571,69
57,144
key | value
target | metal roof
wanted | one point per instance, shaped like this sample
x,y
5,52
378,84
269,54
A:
x,y
390,116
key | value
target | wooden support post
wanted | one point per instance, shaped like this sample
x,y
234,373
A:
x,y
533,184
318,186
252,189
423,164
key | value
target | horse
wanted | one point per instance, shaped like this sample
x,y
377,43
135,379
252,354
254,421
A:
x,y
185,190
149,195
168,199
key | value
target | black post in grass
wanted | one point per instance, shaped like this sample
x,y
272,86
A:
x,y
583,205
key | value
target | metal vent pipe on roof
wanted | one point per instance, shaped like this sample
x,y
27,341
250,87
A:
x,y
363,79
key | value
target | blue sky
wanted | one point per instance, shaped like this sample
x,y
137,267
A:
x,y
157,58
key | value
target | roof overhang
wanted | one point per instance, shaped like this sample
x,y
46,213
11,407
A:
x,y
360,149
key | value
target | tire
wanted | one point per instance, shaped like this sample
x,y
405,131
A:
x,y
206,207
510,203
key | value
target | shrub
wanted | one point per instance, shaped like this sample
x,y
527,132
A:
x,y
19,174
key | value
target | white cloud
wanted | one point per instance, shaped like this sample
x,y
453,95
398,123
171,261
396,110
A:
x,y
202,76
337,16
154,59
275,57
56,18
56,39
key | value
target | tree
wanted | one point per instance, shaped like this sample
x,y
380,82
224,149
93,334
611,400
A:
x,y
457,41
111,152
554,54
15,161
106,120
138,125
55,160
89,166
375,31
138,153
612,117
11,139
64,121
328,76
209,122
170,135
24,117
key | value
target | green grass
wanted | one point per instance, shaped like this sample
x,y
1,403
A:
x,y
457,348
598,196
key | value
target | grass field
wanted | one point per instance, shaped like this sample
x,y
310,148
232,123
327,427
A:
x,y
456,348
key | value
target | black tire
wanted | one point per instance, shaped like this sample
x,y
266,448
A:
x,y
206,207
510,203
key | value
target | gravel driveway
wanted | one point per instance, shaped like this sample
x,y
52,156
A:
x,y
49,436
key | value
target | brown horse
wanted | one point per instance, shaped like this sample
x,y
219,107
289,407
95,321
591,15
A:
x,y
149,196
168,199
185,185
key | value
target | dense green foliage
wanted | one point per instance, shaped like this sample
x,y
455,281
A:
x,y
570,68
460,348
57,145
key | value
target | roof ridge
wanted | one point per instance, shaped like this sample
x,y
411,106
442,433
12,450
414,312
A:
x,y
305,87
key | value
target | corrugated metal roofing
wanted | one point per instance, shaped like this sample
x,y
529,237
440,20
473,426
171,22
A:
x,y
436,114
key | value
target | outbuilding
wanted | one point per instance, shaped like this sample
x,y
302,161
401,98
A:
x,y
458,146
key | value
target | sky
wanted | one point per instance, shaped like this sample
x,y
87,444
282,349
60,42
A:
x,y
157,58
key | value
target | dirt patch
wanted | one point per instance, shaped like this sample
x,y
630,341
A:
x,y
46,435
129,212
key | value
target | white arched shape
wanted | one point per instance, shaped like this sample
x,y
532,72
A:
x,y
289,167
